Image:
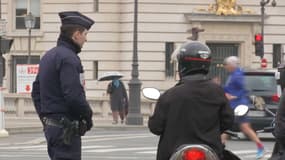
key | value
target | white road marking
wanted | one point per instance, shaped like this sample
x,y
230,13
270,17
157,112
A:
x,y
22,147
115,138
121,157
83,148
41,140
95,146
44,147
254,156
244,151
148,152
121,149
22,156
117,135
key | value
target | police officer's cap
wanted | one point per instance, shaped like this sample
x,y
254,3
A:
x,y
76,18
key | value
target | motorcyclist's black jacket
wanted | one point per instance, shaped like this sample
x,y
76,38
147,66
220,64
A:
x,y
193,112
279,131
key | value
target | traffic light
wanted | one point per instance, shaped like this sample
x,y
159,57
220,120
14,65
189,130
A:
x,y
5,45
259,50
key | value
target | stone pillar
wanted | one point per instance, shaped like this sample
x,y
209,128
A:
x,y
105,109
20,107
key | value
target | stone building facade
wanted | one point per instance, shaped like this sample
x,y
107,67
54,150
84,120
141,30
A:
x,y
163,26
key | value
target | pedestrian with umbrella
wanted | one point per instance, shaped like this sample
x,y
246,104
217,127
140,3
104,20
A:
x,y
118,96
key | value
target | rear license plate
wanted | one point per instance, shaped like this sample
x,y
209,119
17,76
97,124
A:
x,y
256,114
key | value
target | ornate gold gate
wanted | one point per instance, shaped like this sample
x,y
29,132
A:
x,y
219,52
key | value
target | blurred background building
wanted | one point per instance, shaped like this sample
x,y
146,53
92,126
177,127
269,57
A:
x,y
163,25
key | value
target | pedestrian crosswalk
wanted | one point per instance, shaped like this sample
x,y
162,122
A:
x,y
244,154
89,145
101,146
85,149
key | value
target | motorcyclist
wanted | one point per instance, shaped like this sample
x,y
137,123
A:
x,y
194,112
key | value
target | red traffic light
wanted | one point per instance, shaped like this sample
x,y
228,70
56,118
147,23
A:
x,y
258,38
259,48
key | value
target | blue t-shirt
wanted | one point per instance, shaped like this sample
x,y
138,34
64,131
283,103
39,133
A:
x,y
235,86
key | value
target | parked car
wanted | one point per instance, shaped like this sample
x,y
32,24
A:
x,y
261,83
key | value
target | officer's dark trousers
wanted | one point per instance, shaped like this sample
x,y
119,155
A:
x,y
57,150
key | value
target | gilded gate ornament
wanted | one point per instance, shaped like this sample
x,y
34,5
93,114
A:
x,y
226,7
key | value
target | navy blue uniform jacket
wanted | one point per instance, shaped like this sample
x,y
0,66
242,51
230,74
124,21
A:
x,y
58,88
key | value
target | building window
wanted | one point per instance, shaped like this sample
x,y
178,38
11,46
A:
x,y
277,55
169,65
96,5
3,66
95,70
22,8
20,60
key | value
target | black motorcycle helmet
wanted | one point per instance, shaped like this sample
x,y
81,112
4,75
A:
x,y
193,58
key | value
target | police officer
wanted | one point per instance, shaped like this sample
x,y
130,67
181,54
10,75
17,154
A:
x,y
196,110
58,91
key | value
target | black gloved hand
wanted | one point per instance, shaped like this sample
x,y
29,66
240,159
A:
x,y
89,123
82,127
86,123
89,119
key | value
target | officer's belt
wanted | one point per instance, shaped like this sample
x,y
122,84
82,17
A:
x,y
52,122
70,128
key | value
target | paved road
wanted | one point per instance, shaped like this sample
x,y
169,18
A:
x,y
102,144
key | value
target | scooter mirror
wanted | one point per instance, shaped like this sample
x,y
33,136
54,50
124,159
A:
x,y
151,93
241,110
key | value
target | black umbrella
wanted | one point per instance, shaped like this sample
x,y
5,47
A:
x,y
109,76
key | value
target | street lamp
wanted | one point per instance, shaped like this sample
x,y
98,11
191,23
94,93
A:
x,y
5,45
30,22
134,116
263,3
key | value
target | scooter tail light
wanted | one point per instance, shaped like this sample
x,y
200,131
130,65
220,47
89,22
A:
x,y
194,154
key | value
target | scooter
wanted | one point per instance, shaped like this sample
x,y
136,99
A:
x,y
198,151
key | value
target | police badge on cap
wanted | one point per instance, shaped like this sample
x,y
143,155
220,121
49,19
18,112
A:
x,y
76,18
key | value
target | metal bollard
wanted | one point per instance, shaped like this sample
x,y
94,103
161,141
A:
x,y
3,131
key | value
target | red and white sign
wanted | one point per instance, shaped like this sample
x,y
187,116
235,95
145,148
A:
x,y
26,75
263,63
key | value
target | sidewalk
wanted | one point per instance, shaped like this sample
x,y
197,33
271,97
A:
x,y
17,125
